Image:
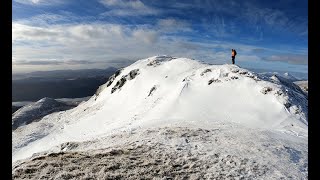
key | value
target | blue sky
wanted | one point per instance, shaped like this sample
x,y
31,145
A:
x,y
78,34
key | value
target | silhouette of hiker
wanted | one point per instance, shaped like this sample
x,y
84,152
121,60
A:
x,y
233,54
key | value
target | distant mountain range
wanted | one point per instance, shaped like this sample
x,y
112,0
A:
x,y
297,76
58,84
72,102
64,74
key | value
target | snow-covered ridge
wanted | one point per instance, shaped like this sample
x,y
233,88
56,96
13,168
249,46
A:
x,y
35,111
176,92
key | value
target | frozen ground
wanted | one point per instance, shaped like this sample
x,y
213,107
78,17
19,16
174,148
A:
x,y
174,152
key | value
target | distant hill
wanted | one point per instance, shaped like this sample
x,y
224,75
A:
x,y
66,101
64,74
37,110
58,84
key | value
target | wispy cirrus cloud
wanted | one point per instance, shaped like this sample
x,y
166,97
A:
x,y
130,12
275,18
147,36
289,58
32,33
250,19
134,4
258,50
67,32
40,2
173,25
128,8
49,19
171,22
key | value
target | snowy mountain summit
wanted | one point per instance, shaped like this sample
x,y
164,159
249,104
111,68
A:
x,y
232,121
165,87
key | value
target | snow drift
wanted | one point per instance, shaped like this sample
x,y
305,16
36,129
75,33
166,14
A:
x,y
164,91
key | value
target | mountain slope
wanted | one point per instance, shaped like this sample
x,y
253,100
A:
x,y
167,92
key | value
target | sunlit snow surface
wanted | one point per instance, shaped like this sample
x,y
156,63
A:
x,y
258,116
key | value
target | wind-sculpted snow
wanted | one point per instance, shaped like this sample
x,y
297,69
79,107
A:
x,y
180,92
159,60
37,110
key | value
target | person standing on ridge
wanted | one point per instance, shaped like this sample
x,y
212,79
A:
x,y
233,54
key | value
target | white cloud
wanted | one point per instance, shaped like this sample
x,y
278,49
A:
x,y
35,1
44,19
289,58
95,42
127,8
52,62
40,2
135,4
130,12
25,32
109,2
104,44
147,36
93,32
66,33
171,24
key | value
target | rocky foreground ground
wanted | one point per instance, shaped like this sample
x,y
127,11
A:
x,y
173,153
